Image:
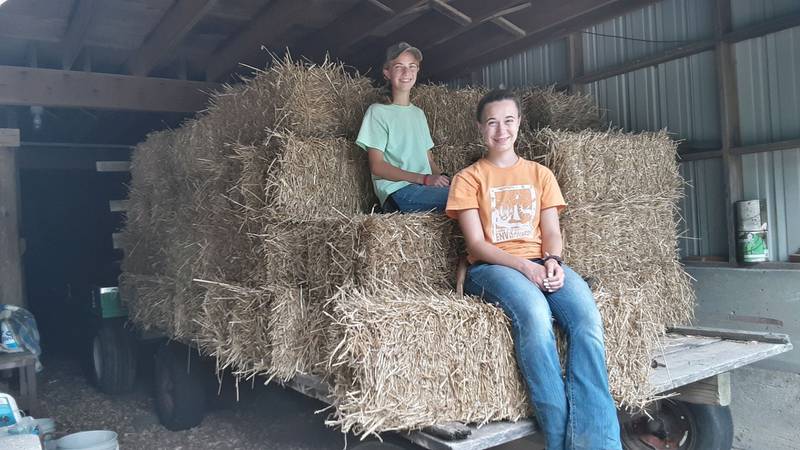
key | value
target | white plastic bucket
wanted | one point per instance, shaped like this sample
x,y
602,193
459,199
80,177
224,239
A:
x,y
89,440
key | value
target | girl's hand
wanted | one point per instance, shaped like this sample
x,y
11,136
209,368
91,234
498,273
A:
x,y
436,180
534,272
554,279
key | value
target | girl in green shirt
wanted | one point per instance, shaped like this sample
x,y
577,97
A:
x,y
398,142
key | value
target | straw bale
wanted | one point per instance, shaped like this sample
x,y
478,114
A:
x,y
452,158
450,112
546,107
412,356
613,166
408,249
151,205
620,228
311,100
149,301
313,178
234,327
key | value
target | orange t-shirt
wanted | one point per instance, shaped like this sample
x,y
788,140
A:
x,y
509,201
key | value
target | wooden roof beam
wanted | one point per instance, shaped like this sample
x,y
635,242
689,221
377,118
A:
x,y
507,25
489,17
386,26
451,12
265,29
468,58
62,88
177,22
75,35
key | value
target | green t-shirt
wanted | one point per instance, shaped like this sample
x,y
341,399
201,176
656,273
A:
x,y
402,134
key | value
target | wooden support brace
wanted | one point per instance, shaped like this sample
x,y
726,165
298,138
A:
x,y
714,390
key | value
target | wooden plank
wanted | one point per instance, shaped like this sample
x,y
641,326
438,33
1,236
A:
x,y
714,390
9,137
767,147
116,240
682,343
489,435
11,291
176,24
15,360
450,12
680,369
48,87
738,335
501,9
75,36
507,25
113,166
118,205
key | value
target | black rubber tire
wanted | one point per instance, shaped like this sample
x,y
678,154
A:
x,y
710,427
113,358
180,387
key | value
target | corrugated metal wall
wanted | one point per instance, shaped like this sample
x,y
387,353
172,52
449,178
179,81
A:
x,y
702,210
768,77
679,95
682,95
538,66
669,24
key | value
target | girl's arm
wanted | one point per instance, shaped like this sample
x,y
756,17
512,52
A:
x,y
552,244
480,249
438,178
382,169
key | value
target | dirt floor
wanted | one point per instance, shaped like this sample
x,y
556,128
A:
x,y
268,417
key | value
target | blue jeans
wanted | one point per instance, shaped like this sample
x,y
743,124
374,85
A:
x,y
578,413
417,198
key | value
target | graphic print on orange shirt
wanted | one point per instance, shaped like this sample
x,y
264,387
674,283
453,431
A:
x,y
513,211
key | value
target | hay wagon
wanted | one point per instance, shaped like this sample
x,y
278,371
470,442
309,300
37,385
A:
x,y
691,370
691,377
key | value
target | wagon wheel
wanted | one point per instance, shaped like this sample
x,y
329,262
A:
x,y
679,425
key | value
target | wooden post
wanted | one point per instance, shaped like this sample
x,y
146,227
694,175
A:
x,y
575,61
11,291
729,118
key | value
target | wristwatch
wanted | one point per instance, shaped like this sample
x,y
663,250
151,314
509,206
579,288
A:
x,y
555,258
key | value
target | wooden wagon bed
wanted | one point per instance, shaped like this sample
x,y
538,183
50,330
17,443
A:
x,y
693,362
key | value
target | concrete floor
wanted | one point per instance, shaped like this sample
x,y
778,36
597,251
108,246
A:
x,y
267,417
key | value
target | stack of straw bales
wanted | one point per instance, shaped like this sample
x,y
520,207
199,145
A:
x,y
250,235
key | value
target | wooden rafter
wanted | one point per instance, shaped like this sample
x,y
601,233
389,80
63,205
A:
x,y
451,12
491,16
176,23
386,26
62,88
468,58
76,32
265,29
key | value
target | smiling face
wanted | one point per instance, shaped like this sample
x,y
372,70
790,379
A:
x,y
401,72
499,125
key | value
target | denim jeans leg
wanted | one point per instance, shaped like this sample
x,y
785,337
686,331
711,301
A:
x,y
592,414
534,342
418,198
